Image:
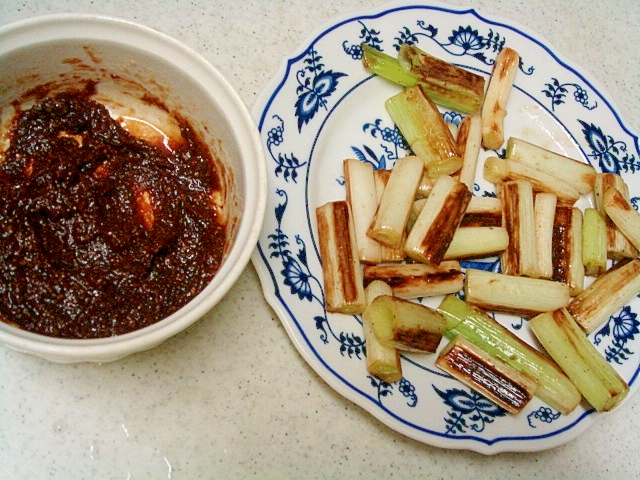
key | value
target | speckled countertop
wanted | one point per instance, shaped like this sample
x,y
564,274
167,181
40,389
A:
x,y
231,397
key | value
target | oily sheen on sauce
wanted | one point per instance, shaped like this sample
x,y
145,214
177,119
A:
x,y
102,233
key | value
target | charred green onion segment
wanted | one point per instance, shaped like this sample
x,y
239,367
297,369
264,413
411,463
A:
x,y
401,234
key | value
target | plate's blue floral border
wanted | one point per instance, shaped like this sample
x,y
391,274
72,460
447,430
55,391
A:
x,y
468,414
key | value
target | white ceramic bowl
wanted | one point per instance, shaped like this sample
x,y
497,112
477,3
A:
x,y
125,55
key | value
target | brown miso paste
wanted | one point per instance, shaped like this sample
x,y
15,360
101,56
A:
x,y
102,233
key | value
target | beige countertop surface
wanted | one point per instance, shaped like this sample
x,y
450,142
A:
x,y
231,397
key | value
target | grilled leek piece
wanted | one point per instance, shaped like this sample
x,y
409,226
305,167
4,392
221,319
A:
x,y
544,213
480,212
567,248
383,362
623,215
453,128
494,379
494,108
469,141
606,295
441,215
425,131
567,344
554,388
581,175
341,271
362,198
390,220
521,296
594,242
477,242
387,253
618,246
416,280
503,170
447,84
520,257
406,325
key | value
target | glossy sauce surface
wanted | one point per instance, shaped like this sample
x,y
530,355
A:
x,y
102,233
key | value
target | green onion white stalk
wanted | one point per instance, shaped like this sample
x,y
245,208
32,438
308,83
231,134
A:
x,y
383,362
436,224
567,248
515,295
576,173
424,129
341,271
447,84
594,242
502,170
623,215
391,217
469,142
415,280
520,257
362,198
477,242
388,254
544,213
618,246
606,295
406,325
494,108
554,387
567,344
494,379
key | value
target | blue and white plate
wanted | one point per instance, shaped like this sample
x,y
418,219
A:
x,y
324,107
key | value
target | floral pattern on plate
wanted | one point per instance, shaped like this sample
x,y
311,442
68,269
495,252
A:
x,y
324,107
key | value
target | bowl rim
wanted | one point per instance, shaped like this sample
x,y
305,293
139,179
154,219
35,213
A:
x,y
52,27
